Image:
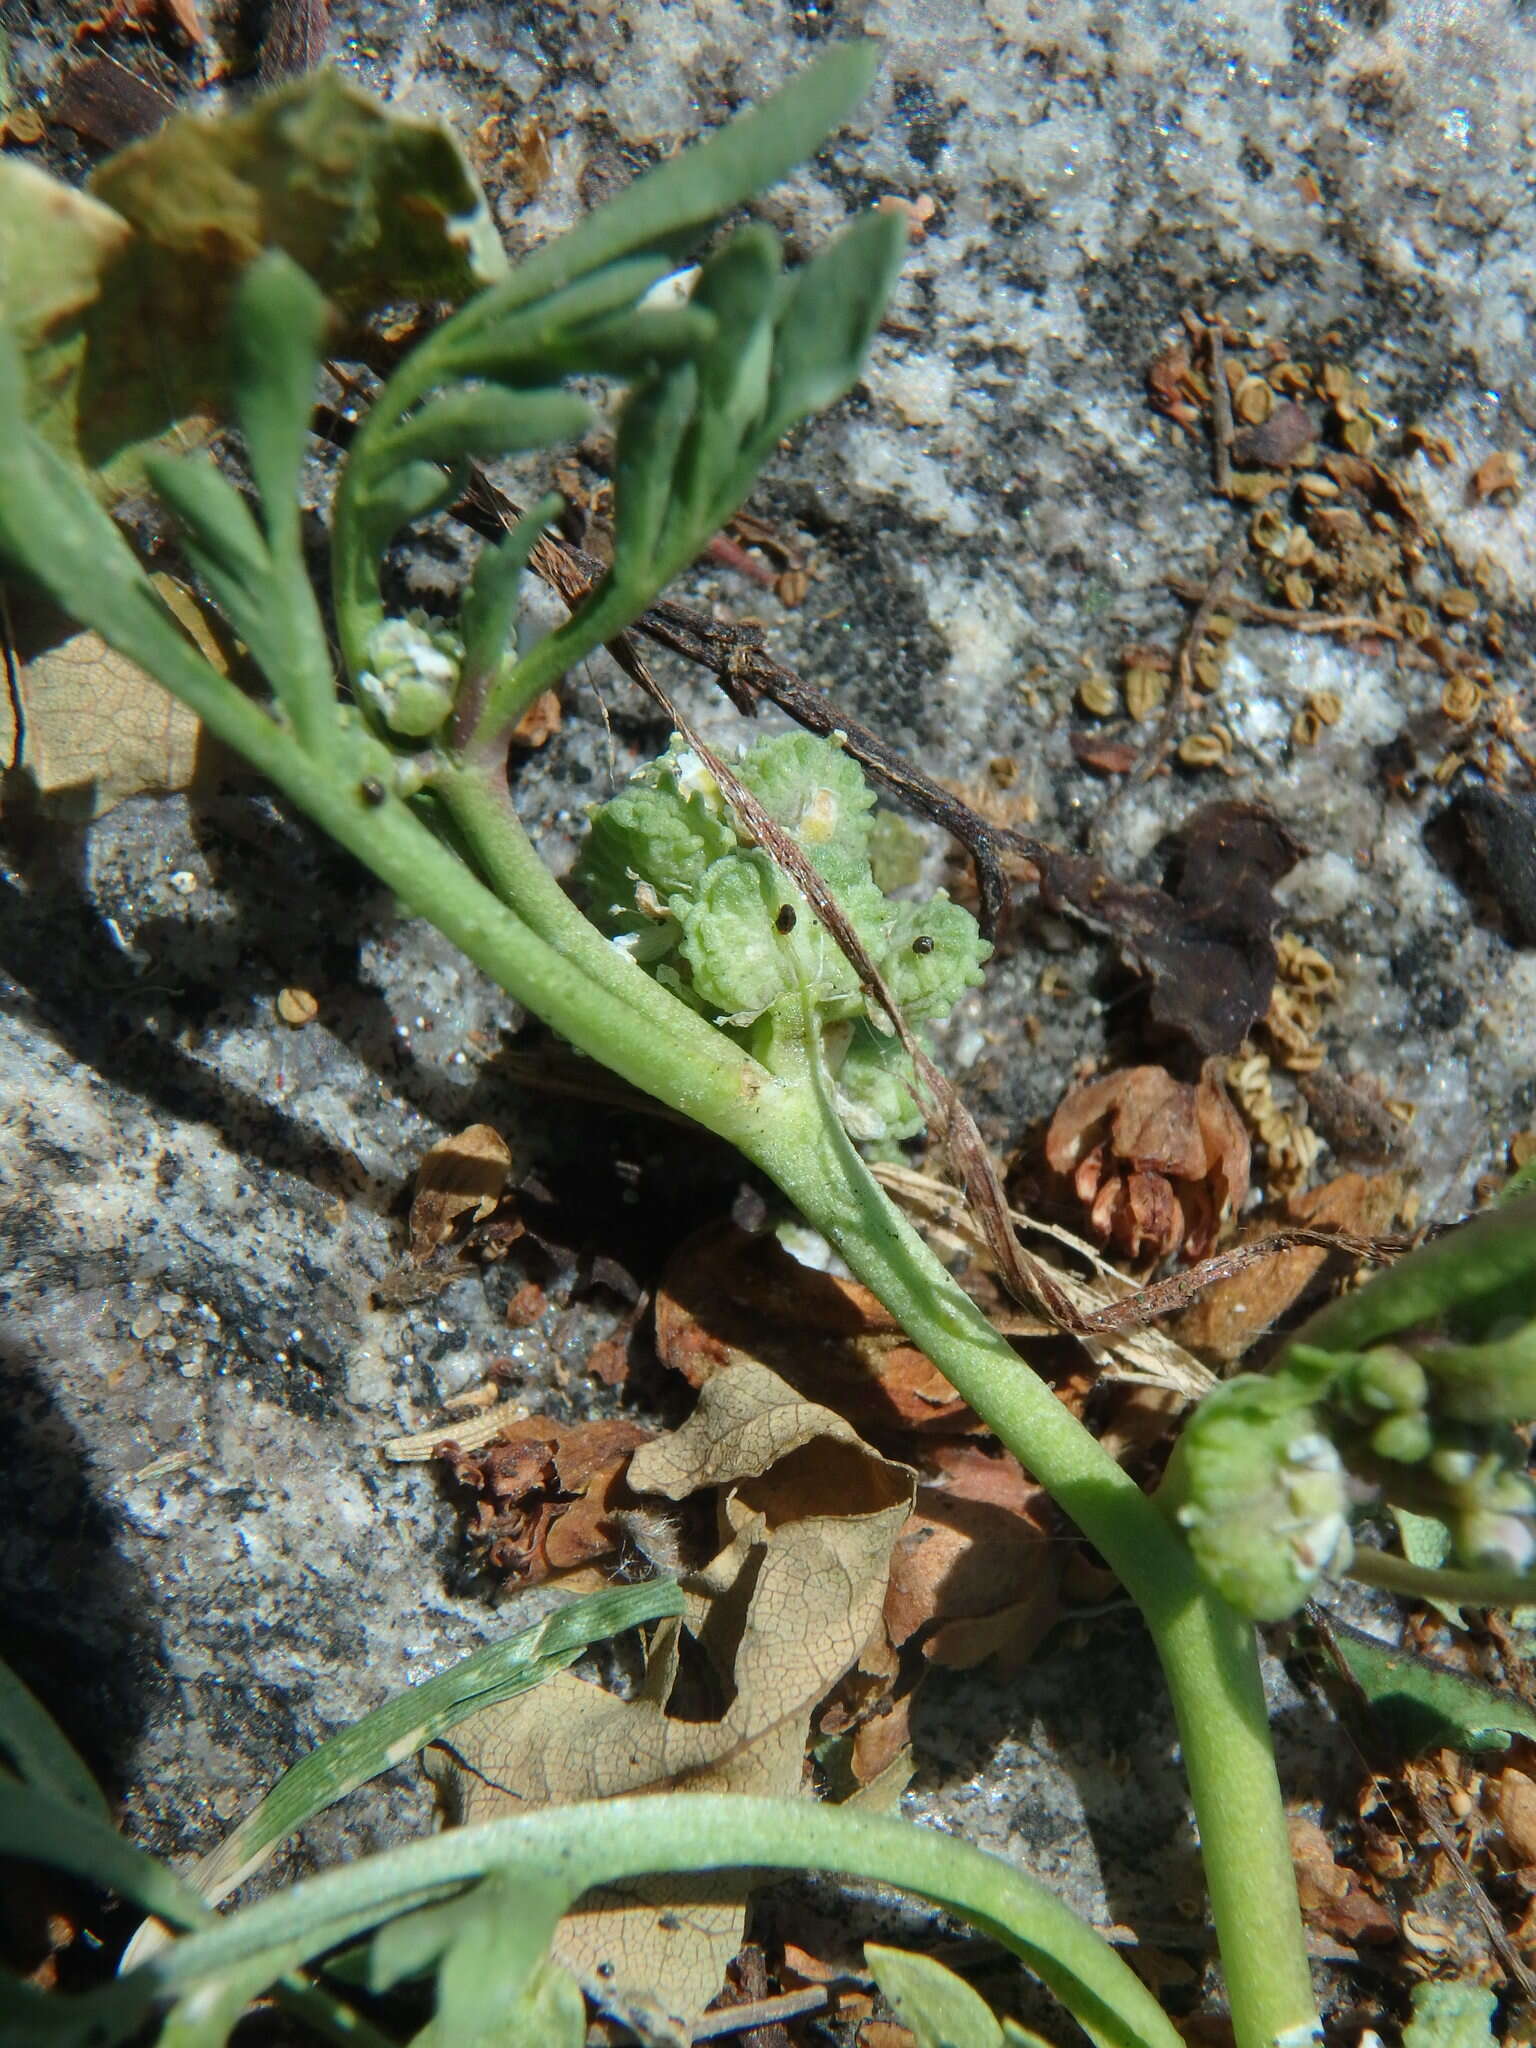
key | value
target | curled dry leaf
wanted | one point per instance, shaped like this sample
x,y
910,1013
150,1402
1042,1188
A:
x,y
1158,1164
974,1574
1204,939
807,1517
724,1293
1335,1899
460,1176
548,1494
1232,1313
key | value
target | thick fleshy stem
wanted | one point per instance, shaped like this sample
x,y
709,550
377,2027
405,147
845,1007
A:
x,y
1208,1652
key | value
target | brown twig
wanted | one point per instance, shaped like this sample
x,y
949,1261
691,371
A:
x,y
762,2012
1251,612
1221,405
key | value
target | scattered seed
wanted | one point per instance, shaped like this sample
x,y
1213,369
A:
x,y
1461,699
784,923
1145,689
1253,401
1253,486
1498,472
791,587
1205,749
1359,435
1315,485
1096,695
1415,621
1298,591
1207,668
1458,603
922,944
1270,531
1432,444
1221,625
1306,728
296,1006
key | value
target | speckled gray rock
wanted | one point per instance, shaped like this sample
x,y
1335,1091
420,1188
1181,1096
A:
x,y
209,1563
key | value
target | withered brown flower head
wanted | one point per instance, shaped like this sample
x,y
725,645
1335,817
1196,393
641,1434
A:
x,y
1158,1164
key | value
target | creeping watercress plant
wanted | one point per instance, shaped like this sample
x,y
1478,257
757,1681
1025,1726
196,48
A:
x,y
706,977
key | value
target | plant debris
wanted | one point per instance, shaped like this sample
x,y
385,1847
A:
x,y
807,1516
1203,940
1158,1164
83,729
548,1496
1233,1313
462,1176
724,1293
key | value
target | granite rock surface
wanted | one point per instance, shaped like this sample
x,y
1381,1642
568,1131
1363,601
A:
x,y
206,1563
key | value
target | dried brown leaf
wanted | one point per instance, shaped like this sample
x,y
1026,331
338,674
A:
x,y
1335,1899
549,1493
1158,1163
460,1176
974,1558
1233,1312
808,1516
1204,939
724,1293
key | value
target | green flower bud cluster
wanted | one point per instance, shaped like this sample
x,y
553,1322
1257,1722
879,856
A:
x,y
1266,1470
1434,1414
1261,1491
673,878
412,674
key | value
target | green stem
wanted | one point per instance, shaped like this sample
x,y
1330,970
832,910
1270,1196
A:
x,y
1456,1588
547,957
576,1847
1208,1652
552,961
479,803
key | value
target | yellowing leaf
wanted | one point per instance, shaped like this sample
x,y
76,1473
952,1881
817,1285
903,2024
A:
x,y
55,243
808,1516
88,729
120,299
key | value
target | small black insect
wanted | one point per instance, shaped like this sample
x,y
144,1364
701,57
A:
x,y
784,923
372,791
922,944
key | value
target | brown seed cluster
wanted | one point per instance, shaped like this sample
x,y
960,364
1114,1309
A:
x,y
1339,532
